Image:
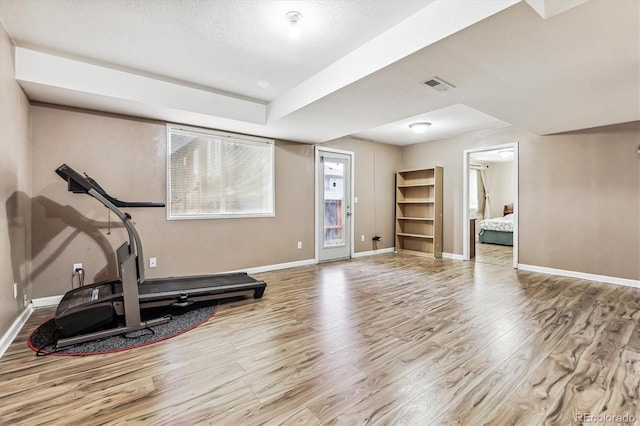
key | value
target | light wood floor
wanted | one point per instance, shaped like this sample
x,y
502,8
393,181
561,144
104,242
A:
x,y
495,254
388,339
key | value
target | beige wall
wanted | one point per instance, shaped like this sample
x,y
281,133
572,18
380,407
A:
x,y
375,167
128,158
578,192
500,177
15,171
580,201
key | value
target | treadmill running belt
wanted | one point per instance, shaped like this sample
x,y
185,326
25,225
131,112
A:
x,y
195,285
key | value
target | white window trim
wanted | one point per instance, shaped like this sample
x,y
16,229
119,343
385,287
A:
x,y
217,133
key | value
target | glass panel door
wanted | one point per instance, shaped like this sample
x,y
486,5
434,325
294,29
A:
x,y
333,205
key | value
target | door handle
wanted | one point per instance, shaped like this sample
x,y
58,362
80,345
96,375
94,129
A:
x,y
348,214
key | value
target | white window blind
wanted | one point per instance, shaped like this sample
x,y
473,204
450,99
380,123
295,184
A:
x,y
216,175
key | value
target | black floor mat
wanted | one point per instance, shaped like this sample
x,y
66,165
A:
x,y
43,339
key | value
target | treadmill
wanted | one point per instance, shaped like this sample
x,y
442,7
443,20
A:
x,y
110,308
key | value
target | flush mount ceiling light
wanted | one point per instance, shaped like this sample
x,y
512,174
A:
x,y
294,19
419,127
505,153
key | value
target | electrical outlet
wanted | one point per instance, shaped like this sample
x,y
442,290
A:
x,y
355,200
152,262
25,300
15,290
362,237
76,266
299,244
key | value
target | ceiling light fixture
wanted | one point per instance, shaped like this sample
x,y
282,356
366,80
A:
x,y
294,19
419,127
505,153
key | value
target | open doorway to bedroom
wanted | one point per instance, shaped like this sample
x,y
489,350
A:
x,y
490,205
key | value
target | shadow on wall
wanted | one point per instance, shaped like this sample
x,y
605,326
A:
x,y
48,220
18,230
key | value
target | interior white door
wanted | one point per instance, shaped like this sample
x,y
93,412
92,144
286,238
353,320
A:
x,y
334,205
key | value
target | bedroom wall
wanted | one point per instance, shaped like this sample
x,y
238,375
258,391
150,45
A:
x,y
127,157
375,168
15,172
570,186
500,178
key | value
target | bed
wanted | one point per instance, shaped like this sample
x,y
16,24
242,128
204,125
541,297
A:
x,y
498,230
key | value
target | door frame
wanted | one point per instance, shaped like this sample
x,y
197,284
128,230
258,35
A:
x,y
318,151
465,198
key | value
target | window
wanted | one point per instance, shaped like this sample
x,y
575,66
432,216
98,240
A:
x,y
473,189
218,175
333,201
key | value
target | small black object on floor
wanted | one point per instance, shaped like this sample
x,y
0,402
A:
x,y
43,339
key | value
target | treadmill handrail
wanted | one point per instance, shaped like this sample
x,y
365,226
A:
x,y
79,184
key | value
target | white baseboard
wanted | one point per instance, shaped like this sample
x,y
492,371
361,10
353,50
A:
x,y
278,266
43,302
452,256
580,275
372,252
13,331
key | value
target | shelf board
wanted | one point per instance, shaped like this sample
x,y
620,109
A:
x,y
423,219
417,201
415,185
416,253
404,234
416,170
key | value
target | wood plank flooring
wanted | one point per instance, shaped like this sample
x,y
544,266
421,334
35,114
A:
x,y
495,254
388,339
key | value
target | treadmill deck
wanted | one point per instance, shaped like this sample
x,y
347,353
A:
x,y
160,288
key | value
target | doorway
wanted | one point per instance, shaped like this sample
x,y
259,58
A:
x,y
334,213
490,205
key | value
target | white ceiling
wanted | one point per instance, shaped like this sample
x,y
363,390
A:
x,y
445,122
356,70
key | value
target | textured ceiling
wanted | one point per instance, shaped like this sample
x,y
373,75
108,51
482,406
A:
x,y
356,70
227,45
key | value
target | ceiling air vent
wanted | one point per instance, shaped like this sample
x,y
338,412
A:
x,y
439,84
